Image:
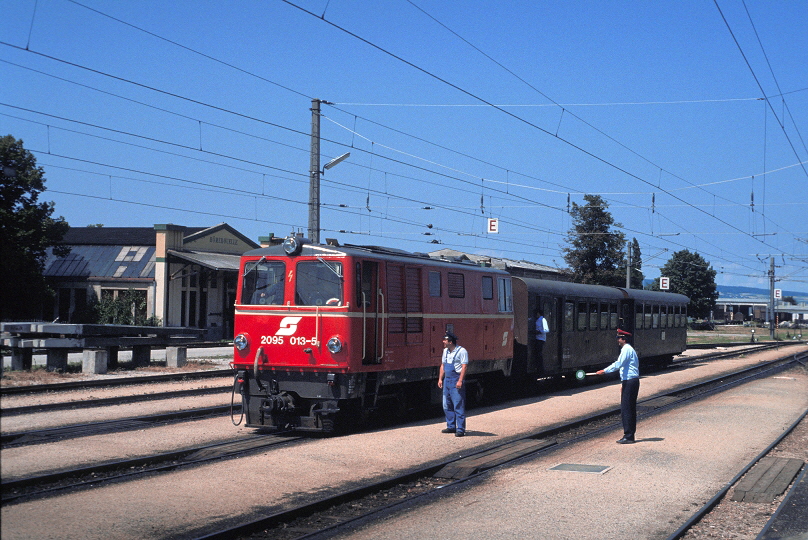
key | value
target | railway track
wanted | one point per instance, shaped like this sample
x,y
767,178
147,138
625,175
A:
x,y
126,469
378,499
42,436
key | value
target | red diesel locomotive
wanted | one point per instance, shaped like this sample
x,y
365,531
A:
x,y
327,333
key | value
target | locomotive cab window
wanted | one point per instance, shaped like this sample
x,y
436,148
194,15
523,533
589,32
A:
x,y
505,300
319,283
262,283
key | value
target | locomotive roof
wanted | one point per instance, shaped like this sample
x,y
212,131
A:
x,y
350,250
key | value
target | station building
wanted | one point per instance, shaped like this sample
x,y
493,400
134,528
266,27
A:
x,y
186,275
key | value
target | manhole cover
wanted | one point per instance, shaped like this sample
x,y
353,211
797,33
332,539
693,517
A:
x,y
578,467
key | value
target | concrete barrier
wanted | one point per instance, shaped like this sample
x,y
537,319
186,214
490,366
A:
x,y
176,356
94,361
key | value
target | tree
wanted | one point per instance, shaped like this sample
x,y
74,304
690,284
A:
x,y
27,231
692,276
637,277
596,254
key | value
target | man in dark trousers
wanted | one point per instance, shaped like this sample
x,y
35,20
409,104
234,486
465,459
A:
x,y
629,365
451,380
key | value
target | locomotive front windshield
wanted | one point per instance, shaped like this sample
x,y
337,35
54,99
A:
x,y
262,283
319,283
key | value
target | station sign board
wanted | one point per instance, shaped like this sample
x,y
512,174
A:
x,y
664,283
493,225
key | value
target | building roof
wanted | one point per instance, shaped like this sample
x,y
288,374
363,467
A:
x,y
214,261
128,253
116,236
103,261
509,265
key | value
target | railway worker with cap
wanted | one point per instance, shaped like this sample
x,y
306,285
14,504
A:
x,y
629,365
451,379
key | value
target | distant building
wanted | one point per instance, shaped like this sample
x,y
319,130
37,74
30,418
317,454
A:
x,y
515,268
740,310
187,275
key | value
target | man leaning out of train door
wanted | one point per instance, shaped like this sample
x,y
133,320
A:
x,y
452,380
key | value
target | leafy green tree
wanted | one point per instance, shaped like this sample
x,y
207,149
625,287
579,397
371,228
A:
x,y
596,253
692,276
27,229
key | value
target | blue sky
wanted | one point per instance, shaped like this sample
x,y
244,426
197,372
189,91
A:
x,y
198,113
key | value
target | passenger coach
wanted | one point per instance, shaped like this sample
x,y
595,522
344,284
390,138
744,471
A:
x,y
583,320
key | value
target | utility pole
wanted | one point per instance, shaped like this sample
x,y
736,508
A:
x,y
314,173
771,297
628,265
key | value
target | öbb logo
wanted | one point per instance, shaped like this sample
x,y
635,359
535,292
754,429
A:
x,y
288,326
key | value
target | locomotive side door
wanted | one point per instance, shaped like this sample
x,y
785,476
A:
x,y
368,297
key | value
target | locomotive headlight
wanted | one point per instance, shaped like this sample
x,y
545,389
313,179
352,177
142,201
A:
x,y
292,245
241,342
334,345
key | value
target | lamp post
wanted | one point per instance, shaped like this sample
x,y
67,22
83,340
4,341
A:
x,y
315,172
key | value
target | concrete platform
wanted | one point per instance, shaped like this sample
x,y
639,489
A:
x,y
607,490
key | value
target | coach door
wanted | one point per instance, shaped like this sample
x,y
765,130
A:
x,y
371,303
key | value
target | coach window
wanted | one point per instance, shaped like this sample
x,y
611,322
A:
x,y
613,316
569,316
488,288
604,316
638,316
663,317
655,317
505,300
457,285
678,316
593,316
583,313
434,283
647,315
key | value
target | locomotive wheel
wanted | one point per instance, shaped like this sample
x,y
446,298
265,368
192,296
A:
x,y
328,425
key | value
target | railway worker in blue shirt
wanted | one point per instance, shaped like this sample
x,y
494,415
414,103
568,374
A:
x,y
451,379
542,330
629,365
